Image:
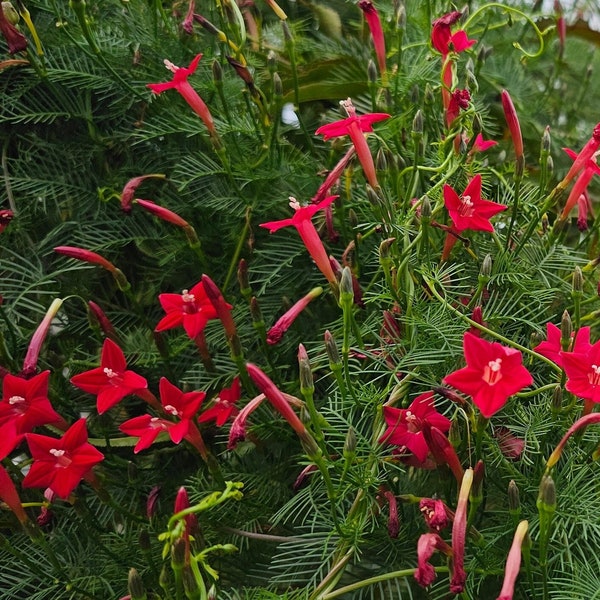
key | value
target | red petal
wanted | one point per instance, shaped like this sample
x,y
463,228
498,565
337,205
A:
x,y
113,357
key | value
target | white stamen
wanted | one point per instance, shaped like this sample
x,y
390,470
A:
x,y
16,400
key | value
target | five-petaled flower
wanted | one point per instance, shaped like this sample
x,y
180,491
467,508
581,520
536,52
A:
x,y
182,406
469,210
442,38
24,405
551,347
493,373
405,426
60,464
302,221
224,405
111,381
583,370
192,309
355,127
182,85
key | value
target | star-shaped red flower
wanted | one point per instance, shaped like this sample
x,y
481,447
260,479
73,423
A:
x,y
551,348
24,405
493,374
60,464
469,210
192,309
111,381
182,406
405,426
224,405
583,372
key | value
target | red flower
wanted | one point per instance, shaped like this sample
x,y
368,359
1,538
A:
x,y
224,405
428,543
435,513
581,159
405,426
86,256
284,322
459,533
551,348
192,309
583,371
174,402
580,186
181,84
513,563
512,120
24,405
60,464
374,23
131,187
356,127
459,99
111,381
442,38
481,145
470,211
308,233
493,374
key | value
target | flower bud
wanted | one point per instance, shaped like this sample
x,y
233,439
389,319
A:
x,y
514,502
242,277
350,444
546,140
547,495
178,551
137,591
144,541
371,71
381,163
346,288
486,266
277,85
425,208
566,331
12,16
557,398
417,124
307,385
332,351
372,196
193,584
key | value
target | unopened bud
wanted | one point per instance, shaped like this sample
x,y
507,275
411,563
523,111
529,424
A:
x,y
401,16
144,541
350,444
477,485
287,34
514,502
381,163
545,223
12,16
557,398
550,166
307,385
352,217
217,71
371,71
135,584
547,495
332,350
346,287
242,277
255,312
566,331
486,266
372,196
546,140
193,585
417,124
454,434
277,85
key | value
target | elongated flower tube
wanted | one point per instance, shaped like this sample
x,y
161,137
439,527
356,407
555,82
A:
x,y
181,84
580,186
513,563
170,217
302,221
275,396
9,495
582,422
374,23
459,533
35,345
95,259
586,153
355,127
284,322
512,120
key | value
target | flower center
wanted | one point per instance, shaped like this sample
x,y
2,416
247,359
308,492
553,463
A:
x,y
189,303
16,400
348,107
157,423
467,206
62,459
114,378
294,203
413,423
492,373
594,375
171,410
169,65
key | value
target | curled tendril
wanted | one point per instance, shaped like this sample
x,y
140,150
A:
x,y
510,9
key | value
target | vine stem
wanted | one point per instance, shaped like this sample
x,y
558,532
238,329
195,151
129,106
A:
x,y
431,284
